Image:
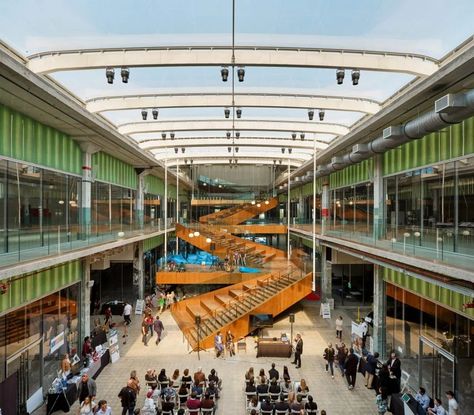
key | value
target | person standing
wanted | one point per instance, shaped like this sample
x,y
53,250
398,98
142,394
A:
x,y
339,325
329,354
394,366
342,353
365,332
370,367
229,343
86,347
218,344
144,329
128,398
453,406
298,351
108,316
86,388
127,312
351,368
158,326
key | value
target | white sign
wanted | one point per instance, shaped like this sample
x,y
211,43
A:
x,y
56,342
114,347
325,310
139,306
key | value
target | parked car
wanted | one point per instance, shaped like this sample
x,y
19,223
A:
x,y
116,307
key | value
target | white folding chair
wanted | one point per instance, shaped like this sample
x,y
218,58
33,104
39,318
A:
x,y
278,412
207,411
267,412
312,412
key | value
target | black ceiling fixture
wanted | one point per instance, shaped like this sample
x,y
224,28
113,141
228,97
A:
x,y
125,74
154,112
110,75
340,76
144,114
321,115
355,76
310,114
224,73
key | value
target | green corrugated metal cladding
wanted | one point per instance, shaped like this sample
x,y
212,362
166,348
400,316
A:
x,y
431,291
112,170
153,242
356,173
23,138
29,287
454,141
154,185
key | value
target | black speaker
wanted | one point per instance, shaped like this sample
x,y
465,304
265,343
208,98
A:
x,y
213,246
197,320
292,318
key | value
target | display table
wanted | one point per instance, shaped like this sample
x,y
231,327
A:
x,y
62,401
96,367
273,348
398,407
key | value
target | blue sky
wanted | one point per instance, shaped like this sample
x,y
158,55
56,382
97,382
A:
x,y
431,27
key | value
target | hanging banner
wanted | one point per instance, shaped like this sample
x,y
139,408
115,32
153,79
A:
x,y
139,306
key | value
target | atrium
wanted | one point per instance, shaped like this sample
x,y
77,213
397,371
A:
x,y
261,168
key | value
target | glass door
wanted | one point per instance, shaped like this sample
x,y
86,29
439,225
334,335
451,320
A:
x,y
436,368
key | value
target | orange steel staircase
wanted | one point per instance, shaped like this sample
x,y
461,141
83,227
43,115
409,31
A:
x,y
238,214
230,308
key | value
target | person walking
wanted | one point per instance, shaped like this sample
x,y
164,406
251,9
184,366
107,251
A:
x,y
298,351
127,312
351,368
128,399
86,388
339,325
342,353
329,355
145,329
158,326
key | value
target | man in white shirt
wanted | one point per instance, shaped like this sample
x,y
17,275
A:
x,y
453,406
339,325
127,311
364,329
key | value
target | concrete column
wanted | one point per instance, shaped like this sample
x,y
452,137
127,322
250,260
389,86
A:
x,y
380,306
139,270
86,188
85,324
326,275
301,207
378,230
140,199
325,208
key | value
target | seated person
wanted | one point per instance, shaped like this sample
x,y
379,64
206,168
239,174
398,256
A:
x,y
286,387
250,388
302,388
253,404
186,378
261,376
422,398
169,391
150,378
249,374
262,388
310,405
193,402
297,405
274,389
266,405
183,393
168,404
199,376
208,402
197,388
162,378
273,373
214,378
437,409
282,405
213,390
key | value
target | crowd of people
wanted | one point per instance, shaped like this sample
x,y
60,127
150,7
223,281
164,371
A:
x,y
271,393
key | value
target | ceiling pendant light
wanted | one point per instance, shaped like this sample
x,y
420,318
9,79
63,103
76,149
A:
x,y
154,112
196,233
110,75
172,136
125,74
237,135
293,136
224,73
355,76
340,76
241,74
310,114
144,114
239,113
163,136
302,136
227,134
227,112
290,150
321,115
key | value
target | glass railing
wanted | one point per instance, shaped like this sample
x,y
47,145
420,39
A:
x,y
441,244
19,245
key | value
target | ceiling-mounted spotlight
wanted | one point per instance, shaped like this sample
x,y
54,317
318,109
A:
x,y
230,161
340,76
227,112
239,113
321,115
125,74
229,149
227,134
282,150
176,149
183,149
154,112
310,114
110,75
290,150
293,136
163,136
191,161
144,114
355,76
281,161
224,73
237,134
185,161
241,74
274,162
236,149
302,136
235,161
172,136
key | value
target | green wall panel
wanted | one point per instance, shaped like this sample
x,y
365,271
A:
x,y
454,141
431,291
154,185
153,242
356,173
23,138
112,170
29,287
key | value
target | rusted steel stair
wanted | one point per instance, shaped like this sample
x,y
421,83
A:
x,y
230,308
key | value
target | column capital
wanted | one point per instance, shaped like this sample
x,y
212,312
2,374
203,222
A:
x,y
88,147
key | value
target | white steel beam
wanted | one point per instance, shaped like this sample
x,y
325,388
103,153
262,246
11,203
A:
x,y
185,161
226,124
67,60
242,99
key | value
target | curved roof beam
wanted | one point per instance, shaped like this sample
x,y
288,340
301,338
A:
x,y
242,99
226,124
172,161
307,144
68,60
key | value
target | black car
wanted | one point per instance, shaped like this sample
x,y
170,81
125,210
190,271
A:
x,y
116,307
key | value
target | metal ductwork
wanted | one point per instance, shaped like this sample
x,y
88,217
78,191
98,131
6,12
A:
x,y
450,109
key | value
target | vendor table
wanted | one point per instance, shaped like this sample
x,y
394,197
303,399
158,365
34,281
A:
x,y
62,401
273,348
398,407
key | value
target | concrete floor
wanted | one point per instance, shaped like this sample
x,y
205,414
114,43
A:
x,y
172,353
